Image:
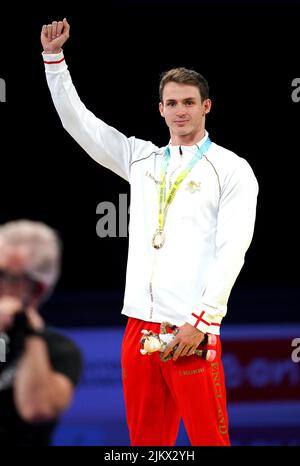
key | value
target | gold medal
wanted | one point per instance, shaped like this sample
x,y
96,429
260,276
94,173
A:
x,y
158,239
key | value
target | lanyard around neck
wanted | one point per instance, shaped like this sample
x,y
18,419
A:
x,y
164,201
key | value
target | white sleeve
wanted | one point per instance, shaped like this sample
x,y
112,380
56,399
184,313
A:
x,y
103,143
235,226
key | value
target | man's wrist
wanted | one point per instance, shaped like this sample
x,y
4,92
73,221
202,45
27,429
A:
x,y
52,51
195,328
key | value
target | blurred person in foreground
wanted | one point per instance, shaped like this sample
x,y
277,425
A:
x,y
42,367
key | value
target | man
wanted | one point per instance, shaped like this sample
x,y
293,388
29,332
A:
x,y
42,366
192,216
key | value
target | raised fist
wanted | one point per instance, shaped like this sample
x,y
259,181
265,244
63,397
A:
x,y
53,36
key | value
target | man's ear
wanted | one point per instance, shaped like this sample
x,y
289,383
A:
x,y
161,109
206,106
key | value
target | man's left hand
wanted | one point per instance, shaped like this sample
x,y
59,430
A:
x,y
188,339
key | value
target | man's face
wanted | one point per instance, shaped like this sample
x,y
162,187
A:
x,y
14,281
183,110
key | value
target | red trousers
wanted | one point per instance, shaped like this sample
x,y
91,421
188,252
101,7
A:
x,y
158,394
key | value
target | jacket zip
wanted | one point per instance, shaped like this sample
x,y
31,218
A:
x,y
151,287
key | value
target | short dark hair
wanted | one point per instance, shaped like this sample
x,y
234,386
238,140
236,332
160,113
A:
x,y
184,76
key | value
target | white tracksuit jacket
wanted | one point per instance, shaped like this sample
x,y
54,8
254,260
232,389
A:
x,y
209,225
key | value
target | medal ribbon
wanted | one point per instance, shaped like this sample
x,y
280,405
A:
x,y
164,201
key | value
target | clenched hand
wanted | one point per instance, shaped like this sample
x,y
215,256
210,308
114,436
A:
x,y
54,35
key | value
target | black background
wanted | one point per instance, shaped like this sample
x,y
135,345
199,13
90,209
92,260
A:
x,y
249,53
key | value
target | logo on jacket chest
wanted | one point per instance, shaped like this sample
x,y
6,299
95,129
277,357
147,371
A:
x,y
193,186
